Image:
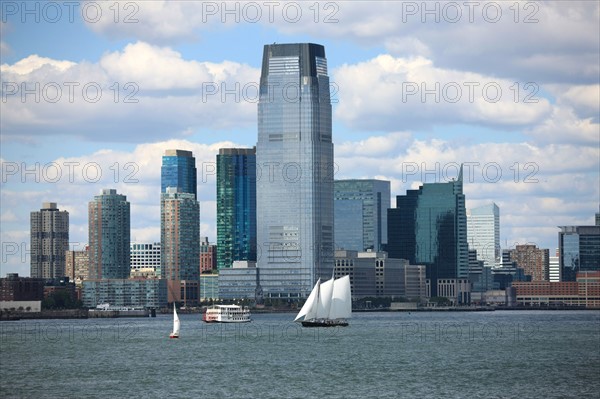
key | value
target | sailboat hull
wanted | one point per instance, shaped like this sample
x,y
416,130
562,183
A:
x,y
325,323
173,336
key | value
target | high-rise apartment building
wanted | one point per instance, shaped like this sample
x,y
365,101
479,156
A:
x,y
534,261
208,255
109,235
77,265
579,250
49,241
180,227
294,157
429,227
179,170
236,206
483,233
180,245
360,214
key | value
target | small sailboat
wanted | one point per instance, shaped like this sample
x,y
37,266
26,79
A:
x,y
328,305
175,333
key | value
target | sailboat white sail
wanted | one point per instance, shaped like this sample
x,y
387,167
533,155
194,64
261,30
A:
x,y
176,324
309,310
329,304
341,300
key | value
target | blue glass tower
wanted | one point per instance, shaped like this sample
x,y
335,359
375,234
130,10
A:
x,y
294,158
179,170
236,205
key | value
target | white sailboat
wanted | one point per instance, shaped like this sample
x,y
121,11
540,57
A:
x,y
328,305
176,324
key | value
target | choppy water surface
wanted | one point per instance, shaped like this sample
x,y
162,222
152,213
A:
x,y
502,354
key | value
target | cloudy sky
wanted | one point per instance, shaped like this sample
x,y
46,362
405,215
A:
x,y
94,92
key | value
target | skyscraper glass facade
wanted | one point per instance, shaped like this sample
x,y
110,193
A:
x,y
360,214
579,250
109,236
483,232
294,157
429,227
236,206
179,170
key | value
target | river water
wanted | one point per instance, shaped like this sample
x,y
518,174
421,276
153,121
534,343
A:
x,y
501,354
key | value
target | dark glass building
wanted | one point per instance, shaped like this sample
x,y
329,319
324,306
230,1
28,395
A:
x,y
429,227
294,157
236,205
579,250
179,170
360,214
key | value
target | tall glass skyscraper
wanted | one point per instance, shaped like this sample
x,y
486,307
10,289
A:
x,y
109,236
49,241
179,170
360,214
429,227
236,205
180,227
483,232
294,157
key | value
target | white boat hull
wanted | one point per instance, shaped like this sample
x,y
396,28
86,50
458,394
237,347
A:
x,y
226,314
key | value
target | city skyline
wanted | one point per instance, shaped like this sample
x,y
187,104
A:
x,y
546,151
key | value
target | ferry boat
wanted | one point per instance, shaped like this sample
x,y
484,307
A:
x,y
226,314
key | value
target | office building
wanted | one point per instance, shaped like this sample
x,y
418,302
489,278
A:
x,y
209,287
147,293
483,233
240,281
429,227
374,274
109,235
579,250
360,214
49,241
236,206
583,292
145,256
294,157
21,294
